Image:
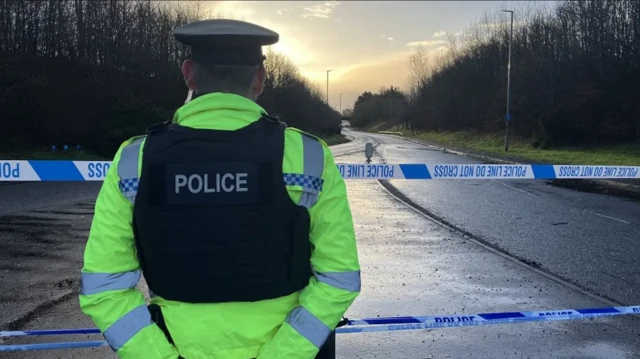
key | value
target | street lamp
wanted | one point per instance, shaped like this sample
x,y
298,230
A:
x,y
328,85
507,117
340,104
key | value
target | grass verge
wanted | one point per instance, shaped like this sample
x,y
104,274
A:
x,y
627,154
335,139
49,155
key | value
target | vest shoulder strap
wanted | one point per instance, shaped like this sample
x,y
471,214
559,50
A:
x,y
307,134
128,168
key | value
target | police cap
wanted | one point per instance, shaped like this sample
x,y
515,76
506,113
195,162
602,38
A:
x,y
225,42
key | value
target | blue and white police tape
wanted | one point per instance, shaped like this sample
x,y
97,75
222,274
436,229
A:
x,y
96,171
369,324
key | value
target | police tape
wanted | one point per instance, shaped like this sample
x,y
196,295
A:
x,y
37,170
368,324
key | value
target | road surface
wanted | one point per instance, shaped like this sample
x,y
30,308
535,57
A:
x,y
411,266
586,238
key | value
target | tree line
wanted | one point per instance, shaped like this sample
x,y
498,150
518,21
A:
x,y
575,73
94,73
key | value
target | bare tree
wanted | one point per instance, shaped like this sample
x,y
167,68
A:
x,y
573,68
101,71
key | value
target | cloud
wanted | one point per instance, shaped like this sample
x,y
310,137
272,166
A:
x,y
370,75
321,11
440,33
234,9
390,38
382,36
426,43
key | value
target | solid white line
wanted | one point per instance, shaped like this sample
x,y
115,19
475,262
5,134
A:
x,y
516,188
608,217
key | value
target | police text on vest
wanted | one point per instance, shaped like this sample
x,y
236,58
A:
x,y
216,183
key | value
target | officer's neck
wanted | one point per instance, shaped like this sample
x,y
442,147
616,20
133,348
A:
x,y
196,95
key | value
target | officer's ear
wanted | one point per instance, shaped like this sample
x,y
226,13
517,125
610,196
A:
x,y
258,81
187,73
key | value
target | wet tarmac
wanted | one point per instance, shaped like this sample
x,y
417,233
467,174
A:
x,y
40,259
23,197
588,239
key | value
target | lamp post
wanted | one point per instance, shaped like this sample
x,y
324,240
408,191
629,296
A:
x,y
507,117
340,104
328,85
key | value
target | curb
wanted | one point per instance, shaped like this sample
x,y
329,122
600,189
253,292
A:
x,y
616,188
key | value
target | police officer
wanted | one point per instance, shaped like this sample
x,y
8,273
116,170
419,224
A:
x,y
240,226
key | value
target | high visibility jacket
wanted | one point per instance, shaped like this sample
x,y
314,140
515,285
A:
x,y
293,326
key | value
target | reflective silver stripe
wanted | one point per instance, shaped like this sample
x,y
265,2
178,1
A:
x,y
342,280
308,199
125,328
308,326
313,166
128,168
93,283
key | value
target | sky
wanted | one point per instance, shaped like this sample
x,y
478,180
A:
x,y
366,44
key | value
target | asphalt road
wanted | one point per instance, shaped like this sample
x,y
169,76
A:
x,y
588,239
410,266
37,195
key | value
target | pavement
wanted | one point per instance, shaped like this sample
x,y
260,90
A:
x,y
411,265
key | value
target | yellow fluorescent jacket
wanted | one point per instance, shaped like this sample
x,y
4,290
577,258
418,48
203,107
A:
x,y
293,326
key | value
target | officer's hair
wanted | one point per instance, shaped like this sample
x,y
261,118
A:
x,y
235,79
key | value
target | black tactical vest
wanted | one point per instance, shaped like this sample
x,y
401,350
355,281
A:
x,y
213,221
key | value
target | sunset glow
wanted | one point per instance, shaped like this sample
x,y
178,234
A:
x,y
365,44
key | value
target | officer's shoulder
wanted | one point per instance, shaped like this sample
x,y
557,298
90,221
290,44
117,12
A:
x,y
131,140
153,129
308,135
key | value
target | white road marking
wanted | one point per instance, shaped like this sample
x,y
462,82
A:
x,y
608,217
516,188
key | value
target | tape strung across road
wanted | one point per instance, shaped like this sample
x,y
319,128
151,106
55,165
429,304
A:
x,y
97,170
368,324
